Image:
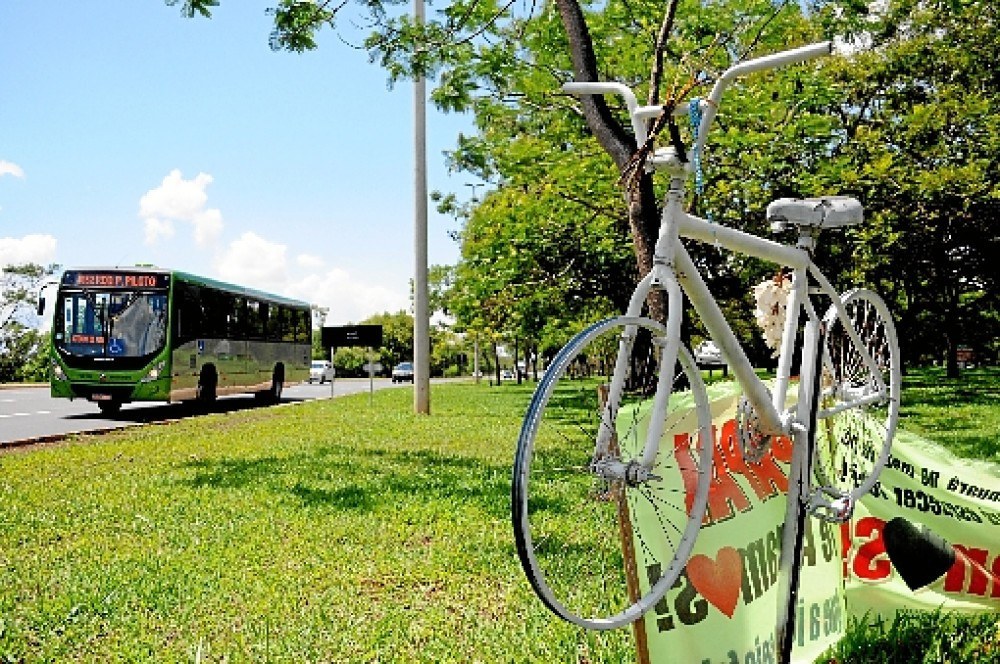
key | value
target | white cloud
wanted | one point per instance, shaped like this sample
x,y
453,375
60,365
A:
x,y
309,262
180,200
35,248
349,299
207,227
254,261
10,168
157,229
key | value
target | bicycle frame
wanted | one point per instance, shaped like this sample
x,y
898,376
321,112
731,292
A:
x,y
675,273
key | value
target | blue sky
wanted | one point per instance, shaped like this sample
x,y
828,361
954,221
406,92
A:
x,y
129,134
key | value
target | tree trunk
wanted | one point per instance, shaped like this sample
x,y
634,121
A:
x,y
517,367
496,362
642,207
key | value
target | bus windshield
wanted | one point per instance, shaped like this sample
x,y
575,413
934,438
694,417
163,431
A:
x,y
110,324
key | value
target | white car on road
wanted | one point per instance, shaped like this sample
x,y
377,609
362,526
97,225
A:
x,y
403,373
707,353
320,371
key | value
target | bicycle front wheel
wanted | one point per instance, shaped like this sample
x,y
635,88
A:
x,y
859,403
584,539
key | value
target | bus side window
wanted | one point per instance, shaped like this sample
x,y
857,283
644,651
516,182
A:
x,y
287,324
274,322
188,308
265,321
254,322
213,313
236,319
303,327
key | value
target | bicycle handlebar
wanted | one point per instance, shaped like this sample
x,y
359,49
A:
x,y
772,61
639,114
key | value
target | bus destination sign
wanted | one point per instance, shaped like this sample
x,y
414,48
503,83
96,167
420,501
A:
x,y
127,280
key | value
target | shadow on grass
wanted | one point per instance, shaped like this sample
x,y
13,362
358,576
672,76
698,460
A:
x,y
974,387
142,413
343,477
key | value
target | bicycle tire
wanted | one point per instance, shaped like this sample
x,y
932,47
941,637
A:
x,y
854,441
566,520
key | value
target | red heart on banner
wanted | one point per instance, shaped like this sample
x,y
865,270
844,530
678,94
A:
x,y
720,580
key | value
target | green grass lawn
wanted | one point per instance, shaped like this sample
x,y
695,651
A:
x,y
961,414
326,531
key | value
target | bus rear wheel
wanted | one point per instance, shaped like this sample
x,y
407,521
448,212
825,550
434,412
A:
x,y
207,382
277,384
273,395
112,407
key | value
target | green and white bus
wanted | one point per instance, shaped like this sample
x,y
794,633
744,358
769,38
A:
x,y
149,334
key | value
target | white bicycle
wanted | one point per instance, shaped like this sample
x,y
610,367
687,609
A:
x,y
591,459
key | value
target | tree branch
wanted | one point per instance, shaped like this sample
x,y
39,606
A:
x,y
609,132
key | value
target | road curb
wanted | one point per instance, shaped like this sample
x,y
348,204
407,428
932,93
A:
x,y
60,437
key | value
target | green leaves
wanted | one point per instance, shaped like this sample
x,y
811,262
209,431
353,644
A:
x,y
23,349
907,121
191,7
296,23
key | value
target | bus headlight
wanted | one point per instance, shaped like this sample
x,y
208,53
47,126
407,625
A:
x,y
57,371
154,373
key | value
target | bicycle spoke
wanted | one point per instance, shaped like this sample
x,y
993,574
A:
x,y
856,433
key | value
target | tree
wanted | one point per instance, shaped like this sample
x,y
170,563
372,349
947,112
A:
x,y
23,355
907,123
548,249
921,114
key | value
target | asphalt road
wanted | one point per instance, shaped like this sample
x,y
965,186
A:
x,y
30,414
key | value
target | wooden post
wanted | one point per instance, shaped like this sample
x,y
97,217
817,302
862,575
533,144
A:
x,y
628,547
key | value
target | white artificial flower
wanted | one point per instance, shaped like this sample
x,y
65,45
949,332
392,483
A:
x,y
771,296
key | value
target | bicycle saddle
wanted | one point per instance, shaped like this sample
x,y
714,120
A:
x,y
827,212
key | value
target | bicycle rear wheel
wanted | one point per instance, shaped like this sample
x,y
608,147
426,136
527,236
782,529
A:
x,y
859,407
584,541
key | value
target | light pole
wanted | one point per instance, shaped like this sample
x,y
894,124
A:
x,y
421,316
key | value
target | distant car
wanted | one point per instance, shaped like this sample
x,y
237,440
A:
x,y
708,353
320,371
506,374
403,373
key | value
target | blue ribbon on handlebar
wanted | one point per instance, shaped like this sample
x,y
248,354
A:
x,y
694,113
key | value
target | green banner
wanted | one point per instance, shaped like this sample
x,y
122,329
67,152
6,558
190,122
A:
x,y
958,500
724,606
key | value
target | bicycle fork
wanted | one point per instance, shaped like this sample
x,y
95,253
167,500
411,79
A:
x,y
606,463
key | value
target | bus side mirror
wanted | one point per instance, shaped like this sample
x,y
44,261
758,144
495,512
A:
x,y
41,305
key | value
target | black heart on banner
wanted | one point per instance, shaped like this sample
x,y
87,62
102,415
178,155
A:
x,y
919,555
